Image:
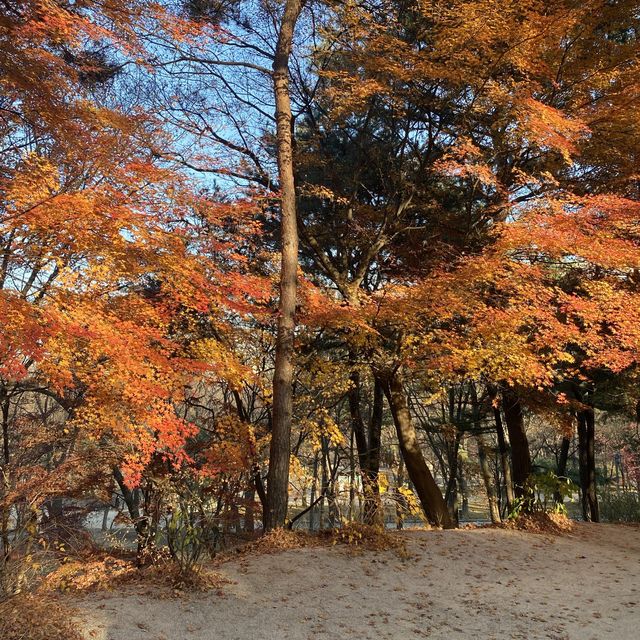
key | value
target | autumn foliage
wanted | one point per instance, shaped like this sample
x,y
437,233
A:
x,y
468,276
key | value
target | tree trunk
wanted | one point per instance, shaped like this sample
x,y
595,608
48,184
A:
x,y
504,458
258,485
360,435
352,475
401,502
324,484
462,483
433,504
4,481
562,464
140,521
4,399
373,512
586,458
279,450
334,511
314,491
591,462
53,521
249,519
451,493
105,518
494,510
520,455
368,446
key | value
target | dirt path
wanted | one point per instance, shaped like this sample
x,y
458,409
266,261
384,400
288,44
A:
x,y
482,583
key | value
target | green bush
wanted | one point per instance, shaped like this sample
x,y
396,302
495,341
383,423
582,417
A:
x,y
185,536
544,493
620,507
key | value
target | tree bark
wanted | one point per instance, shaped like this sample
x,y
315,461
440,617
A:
x,y
373,513
332,502
586,458
140,521
4,400
562,464
249,520
275,512
352,474
324,483
451,493
368,446
520,454
431,499
504,458
462,483
4,479
105,517
494,510
401,502
314,490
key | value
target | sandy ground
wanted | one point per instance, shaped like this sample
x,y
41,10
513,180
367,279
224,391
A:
x,y
482,583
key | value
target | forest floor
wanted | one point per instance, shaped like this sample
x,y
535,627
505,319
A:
x,y
483,583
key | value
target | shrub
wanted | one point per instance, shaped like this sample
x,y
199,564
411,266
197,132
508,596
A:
x,y
620,507
544,493
186,528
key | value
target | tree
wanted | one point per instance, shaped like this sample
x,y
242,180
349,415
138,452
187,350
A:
x,y
110,261
244,49
503,139
278,476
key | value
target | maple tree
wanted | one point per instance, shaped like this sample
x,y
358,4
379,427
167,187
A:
x,y
502,139
244,50
110,261
462,178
